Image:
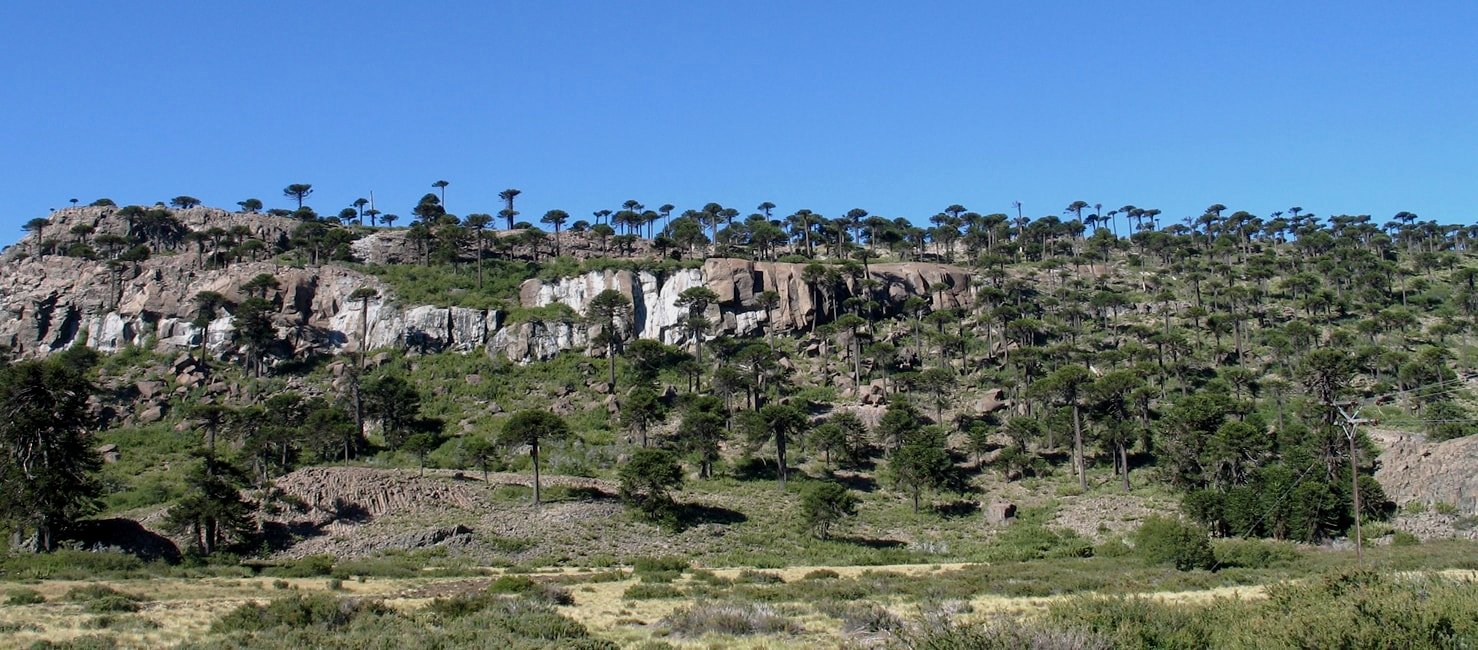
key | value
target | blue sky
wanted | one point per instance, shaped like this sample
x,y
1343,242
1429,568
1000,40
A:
x,y
898,108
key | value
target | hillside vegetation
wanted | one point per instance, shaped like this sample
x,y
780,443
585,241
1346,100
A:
x,y
1118,401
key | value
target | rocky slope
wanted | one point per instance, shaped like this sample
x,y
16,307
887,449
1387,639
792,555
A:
x,y
1413,470
51,302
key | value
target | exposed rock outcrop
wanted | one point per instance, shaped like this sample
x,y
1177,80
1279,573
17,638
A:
x,y
1413,470
51,302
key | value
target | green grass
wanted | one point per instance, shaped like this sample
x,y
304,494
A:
x,y
153,460
443,286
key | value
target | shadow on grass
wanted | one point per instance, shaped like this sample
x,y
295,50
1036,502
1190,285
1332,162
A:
x,y
693,514
868,542
856,482
954,509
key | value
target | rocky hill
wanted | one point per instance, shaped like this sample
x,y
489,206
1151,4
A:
x,y
49,302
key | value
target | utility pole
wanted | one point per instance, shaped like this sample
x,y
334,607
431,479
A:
x,y
1350,420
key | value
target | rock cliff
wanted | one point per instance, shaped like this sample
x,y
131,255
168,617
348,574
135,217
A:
x,y
50,302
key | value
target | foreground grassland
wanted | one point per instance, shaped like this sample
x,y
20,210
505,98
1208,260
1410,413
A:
x,y
1415,596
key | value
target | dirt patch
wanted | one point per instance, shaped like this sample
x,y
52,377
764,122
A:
x,y
1093,516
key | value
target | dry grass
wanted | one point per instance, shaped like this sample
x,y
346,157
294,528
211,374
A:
x,y
177,610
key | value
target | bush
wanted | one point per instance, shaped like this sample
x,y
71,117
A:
x,y
821,574
1403,538
23,597
655,577
99,593
1161,540
548,593
651,591
1254,553
867,619
752,577
738,619
68,564
312,566
1113,547
316,610
998,634
660,564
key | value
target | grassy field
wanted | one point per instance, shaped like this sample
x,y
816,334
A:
x,y
665,600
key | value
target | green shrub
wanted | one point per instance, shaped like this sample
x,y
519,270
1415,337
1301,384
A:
x,y
23,597
1113,547
1403,538
734,618
69,564
314,610
312,566
658,564
1254,553
1161,540
659,576
92,593
512,585
1358,610
821,574
864,618
752,577
651,591
1444,508
86,642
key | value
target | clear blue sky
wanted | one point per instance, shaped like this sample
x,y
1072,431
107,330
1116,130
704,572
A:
x,y
898,108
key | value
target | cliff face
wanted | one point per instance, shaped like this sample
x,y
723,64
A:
x,y
739,283
51,302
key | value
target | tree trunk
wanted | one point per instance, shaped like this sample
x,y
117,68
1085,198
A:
x,y
780,457
1124,464
611,354
1078,449
534,455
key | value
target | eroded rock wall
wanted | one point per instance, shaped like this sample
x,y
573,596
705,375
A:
x,y
51,302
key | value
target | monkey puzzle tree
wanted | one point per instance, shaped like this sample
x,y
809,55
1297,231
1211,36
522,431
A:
x,y
206,305
477,223
778,423
533,427
647,482
298,192
825,504
641,410
610,311
556,218
184,202
1067,386
922,463
47,463
695,300
508,212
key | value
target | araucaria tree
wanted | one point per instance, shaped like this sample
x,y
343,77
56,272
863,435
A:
x,y
533,427
825,504
647,481
611,312
298,192
47,463
695,300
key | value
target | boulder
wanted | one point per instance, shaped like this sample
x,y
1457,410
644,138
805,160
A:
x,y
999,512
152,414
149,389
